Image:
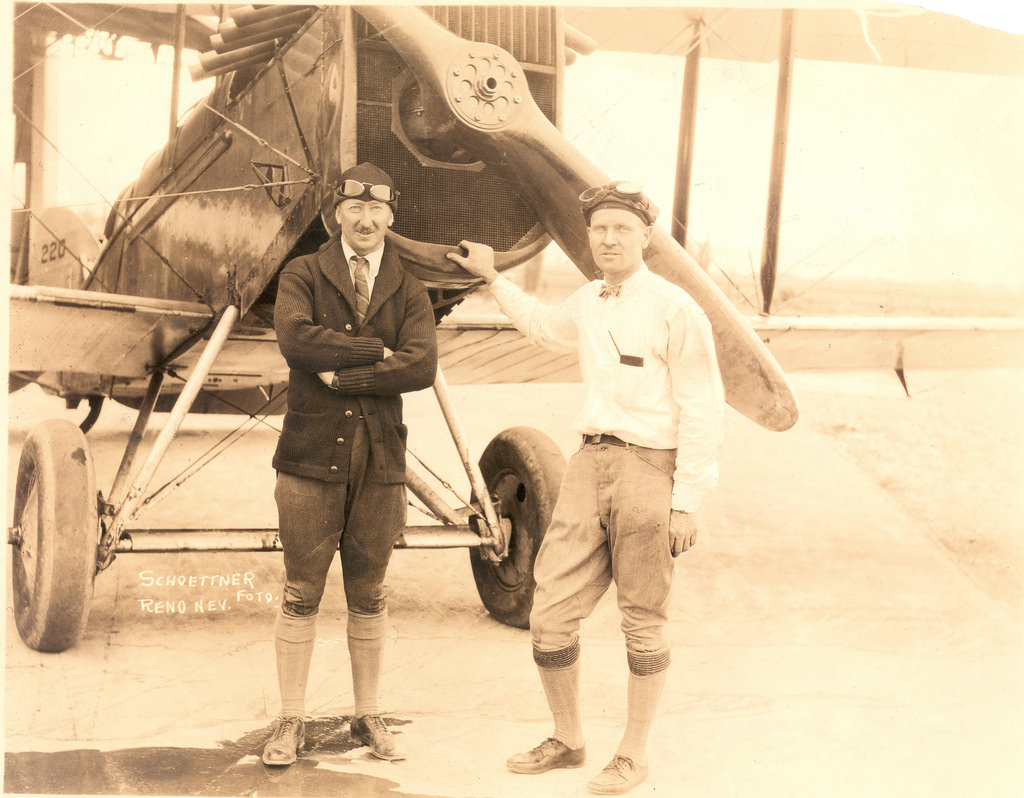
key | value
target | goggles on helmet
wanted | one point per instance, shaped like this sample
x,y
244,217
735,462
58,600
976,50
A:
x,y
622,193
353,189
621,190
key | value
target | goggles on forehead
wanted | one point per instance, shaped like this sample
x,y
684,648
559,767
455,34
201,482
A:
x,y
353,189
621,190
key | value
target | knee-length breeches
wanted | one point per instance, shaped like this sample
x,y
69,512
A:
x,y
611,522
360,518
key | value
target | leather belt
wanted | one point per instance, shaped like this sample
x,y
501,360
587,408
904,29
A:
x,y
604,438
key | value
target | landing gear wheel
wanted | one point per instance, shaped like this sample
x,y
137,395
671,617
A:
x,y
56,534
523,469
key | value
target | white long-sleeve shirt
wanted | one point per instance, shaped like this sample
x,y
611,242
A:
x,y
648,363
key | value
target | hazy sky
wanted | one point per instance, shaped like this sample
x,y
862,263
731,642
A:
x,y
898,173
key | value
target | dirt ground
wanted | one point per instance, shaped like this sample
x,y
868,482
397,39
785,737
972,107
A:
x,y
951,455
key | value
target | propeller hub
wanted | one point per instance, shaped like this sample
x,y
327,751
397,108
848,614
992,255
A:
x,y
486,87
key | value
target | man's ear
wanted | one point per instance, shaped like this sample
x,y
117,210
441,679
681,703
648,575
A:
x,y
337,213
648,232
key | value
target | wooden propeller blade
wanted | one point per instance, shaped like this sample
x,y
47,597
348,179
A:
x,y
484,89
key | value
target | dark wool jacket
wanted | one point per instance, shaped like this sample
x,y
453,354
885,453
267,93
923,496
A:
x,y
317,330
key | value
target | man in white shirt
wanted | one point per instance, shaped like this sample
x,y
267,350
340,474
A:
x,y
651,425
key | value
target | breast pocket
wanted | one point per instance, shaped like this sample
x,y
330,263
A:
x,y
634,360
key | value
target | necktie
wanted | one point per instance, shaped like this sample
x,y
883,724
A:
x,y
608,290
361,268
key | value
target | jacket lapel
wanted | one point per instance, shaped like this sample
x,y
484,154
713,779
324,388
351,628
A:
x,y
334,267
389,278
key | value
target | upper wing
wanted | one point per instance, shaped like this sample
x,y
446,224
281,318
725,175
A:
x,y
153,23
65,329
903,37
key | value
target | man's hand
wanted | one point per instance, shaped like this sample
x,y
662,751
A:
x,y
682,531
479,260
327,377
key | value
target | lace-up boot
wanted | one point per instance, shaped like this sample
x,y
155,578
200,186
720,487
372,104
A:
x,y
371,730
285,741
619,776
549,755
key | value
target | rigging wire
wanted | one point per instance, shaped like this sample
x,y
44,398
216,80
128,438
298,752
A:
x,y
56,236
218,448
842,265
705,32
133,198
261,141
123,218
437,476
55,42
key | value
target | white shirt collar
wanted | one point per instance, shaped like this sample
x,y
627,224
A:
x,y
632,282
374,257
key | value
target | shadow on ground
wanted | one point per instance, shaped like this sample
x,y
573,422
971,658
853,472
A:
x,y
232,769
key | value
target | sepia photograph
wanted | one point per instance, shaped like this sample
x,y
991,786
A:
x,y
515,401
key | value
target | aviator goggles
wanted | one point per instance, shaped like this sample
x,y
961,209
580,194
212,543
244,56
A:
x,y
354,189
621,192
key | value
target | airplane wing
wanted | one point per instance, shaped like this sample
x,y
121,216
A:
x,y
65,329
488,349
152,23
835,343
892,35
85,332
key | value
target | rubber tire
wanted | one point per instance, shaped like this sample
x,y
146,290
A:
x,y
56,507
522,468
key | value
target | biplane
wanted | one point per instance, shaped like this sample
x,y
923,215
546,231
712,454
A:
x,y
172,311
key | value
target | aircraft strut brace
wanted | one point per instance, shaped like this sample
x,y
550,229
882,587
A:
x,y
500,531
459,529
182,405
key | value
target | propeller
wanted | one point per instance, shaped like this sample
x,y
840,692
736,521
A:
x,y
433,268
484,90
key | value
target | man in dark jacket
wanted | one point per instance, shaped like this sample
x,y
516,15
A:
x,y
357,331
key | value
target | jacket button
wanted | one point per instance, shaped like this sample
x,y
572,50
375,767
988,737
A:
x,y
348,414
348,328
340,441
334,469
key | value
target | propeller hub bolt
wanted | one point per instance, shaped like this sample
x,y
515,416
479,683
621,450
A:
x,y
485,88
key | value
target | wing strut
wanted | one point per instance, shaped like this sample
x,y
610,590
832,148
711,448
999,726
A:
x,y
687,128
770,250
177,415
476,479
120,486
179,45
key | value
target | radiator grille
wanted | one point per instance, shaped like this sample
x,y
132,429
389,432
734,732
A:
x,y
525,31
